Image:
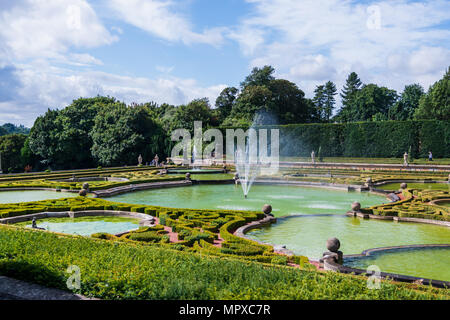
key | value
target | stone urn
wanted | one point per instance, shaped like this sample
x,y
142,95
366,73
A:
x,y
369,182
267,209
403,186
188,176
356,207
333,254
82,193
86,186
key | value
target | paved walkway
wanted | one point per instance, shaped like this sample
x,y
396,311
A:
x,y
12,289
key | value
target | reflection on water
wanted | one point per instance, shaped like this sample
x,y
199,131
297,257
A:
x,y
285,200
430,263
308,235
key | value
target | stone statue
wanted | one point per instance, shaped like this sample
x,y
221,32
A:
x,y
156,160
333,245
267,209
405,159
188,176
313,157
34,224
140,160
356,207
236,178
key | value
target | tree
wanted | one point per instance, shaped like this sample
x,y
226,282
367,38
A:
x,y
369,101
330,91
12,128
225,102
319,100
406,106
259,77
10,147
3,131
352,86
44,138
121,133
61,137
253,99
287,102
436,103
196,110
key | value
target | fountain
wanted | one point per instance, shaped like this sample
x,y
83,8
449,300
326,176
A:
x,y
246,166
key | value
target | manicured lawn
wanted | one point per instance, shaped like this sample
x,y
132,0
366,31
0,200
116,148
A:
x,y
112,270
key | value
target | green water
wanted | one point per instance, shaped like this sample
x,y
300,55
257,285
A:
x,y
425,186
285,200
424,263
86,226
26,196
308,235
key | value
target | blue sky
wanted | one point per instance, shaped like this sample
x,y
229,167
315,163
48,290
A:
x,y
54,51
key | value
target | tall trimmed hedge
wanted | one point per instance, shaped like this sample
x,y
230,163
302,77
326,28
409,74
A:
x,y
383,139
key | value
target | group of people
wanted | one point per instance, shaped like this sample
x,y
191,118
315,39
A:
x,y
405,157
155,162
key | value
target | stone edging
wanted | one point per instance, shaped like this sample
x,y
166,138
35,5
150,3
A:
x,y
137,187
398,219
329,264
144,219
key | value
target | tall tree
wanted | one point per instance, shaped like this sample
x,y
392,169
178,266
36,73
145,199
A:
x,y
352,86
259,77
319,100
406,106
10,147
330,91
225,102
121,133
371,100
196,110
436,103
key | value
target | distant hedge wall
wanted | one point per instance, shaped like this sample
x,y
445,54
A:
x,y
384,139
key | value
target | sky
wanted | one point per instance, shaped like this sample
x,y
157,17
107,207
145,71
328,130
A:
x,y
55,51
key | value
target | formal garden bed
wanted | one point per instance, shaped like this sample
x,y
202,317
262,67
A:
x,y
134,270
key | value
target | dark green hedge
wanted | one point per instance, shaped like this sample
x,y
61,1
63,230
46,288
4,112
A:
x,y
384,139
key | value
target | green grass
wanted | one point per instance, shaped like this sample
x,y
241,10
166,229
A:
x,y
111,270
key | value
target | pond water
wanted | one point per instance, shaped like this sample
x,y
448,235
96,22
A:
x,y
307,235
285,200
27,196
85,226
430,263
424,186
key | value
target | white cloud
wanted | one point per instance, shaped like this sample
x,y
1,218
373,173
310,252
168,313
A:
x,y
160,19
49,28
43,86
311,41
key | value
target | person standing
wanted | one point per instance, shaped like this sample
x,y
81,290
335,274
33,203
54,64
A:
x,y
430,156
